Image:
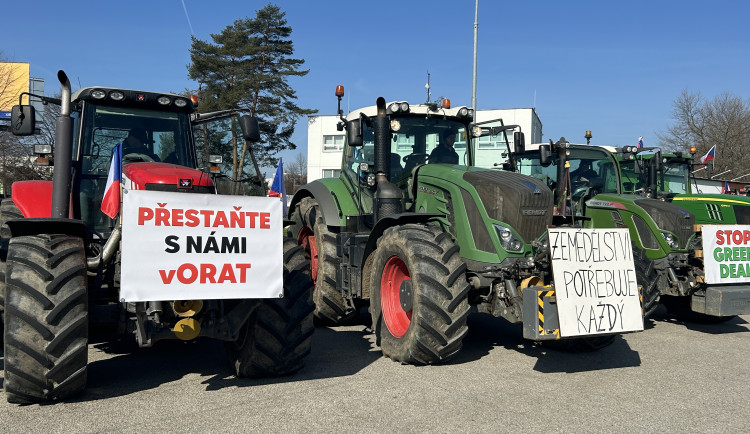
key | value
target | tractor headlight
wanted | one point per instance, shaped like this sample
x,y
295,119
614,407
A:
x,y
117,95
98,94
508,241
395,125
476,131
164,100
671,240
180,102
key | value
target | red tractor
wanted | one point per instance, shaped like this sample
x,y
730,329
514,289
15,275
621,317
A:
x,y
64,262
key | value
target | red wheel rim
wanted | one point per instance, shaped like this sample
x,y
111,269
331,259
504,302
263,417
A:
x,y
396,318
306,239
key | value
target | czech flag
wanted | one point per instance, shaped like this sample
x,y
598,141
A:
x,y
277,187
111,199
709,156
640,141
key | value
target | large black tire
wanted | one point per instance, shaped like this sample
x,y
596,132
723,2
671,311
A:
x,y
275,340
680,308
8,211
46,318
419,302
311,232
648,280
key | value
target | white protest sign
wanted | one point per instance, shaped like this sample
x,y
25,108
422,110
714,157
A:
x,y
184,246
726,251
595,281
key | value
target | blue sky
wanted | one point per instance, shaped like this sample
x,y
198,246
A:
x,y
613,67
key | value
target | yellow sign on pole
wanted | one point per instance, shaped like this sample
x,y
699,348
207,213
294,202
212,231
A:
x,y
14,80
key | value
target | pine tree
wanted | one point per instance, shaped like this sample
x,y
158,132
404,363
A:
x,y
247,66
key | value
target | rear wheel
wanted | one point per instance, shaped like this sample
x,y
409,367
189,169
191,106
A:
x,y
680,308
46,318
419,295
275,340
312,234
8,211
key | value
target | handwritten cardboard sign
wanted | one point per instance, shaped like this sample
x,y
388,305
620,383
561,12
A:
x,y
184,246
726,251
595,281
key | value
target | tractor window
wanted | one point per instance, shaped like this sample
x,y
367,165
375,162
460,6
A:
x,y
222,137
675,178
166,137
412,145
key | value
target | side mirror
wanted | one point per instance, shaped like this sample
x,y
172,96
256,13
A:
x,y
519,142
657,162
354,132
250,128
22,120
545,155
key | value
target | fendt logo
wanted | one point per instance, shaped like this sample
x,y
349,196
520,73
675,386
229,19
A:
x,y
534,211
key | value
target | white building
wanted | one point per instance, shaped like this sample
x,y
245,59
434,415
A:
x,y
325,143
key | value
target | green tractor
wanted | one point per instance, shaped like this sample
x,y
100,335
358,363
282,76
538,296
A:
x,y
666,242
412,228
669,177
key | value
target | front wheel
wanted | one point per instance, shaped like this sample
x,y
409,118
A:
x,y
46,318
312,234
419,294
647,279
275,340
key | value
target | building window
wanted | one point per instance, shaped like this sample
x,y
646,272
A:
x,y
492,142
333,142
331,173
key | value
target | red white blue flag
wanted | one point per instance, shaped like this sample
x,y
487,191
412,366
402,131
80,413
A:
x,y
640,141
709,156
111,199
277,187
725,188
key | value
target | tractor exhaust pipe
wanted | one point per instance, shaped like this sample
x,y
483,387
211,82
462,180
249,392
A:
x,y
63,153
388,199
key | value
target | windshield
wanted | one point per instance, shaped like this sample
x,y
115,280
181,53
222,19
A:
x,y
418,140
164,136
673,178
589,168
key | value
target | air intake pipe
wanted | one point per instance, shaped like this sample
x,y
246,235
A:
x,y
388,199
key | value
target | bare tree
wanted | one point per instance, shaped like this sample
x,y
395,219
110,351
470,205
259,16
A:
x,y
723,121
295,173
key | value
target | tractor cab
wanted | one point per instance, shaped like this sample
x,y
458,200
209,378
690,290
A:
x,y
153,131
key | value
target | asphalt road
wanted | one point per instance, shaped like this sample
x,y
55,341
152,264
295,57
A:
x,y
673,377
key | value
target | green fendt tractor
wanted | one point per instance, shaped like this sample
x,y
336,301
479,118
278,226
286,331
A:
x,y
648,172
414,229
170,258
667,245
669,176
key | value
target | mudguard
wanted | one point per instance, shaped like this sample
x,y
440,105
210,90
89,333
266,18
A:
x,y
33,198
394,220
334,200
